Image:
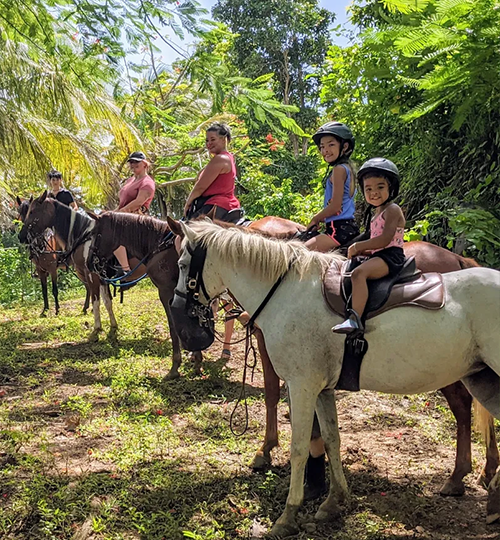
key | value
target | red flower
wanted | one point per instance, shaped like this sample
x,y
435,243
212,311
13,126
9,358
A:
x,y
269,138
159,412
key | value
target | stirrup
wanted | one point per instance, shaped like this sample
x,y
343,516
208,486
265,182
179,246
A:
x,y
352,325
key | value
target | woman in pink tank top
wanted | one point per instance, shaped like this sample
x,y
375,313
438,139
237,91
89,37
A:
x,y
135,197
216,181
379,180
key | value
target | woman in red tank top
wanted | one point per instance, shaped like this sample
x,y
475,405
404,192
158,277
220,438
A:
x,y
215,183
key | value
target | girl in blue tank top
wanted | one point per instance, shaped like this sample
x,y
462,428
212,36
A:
x,y
336,142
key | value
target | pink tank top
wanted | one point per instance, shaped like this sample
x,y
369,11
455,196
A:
x,y
377,228
130,190
221,189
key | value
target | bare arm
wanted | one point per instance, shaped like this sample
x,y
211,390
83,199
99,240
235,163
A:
x,y
136,204
393,219
334,207
73,206
218,165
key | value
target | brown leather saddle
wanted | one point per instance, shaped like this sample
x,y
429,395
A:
x,y
408,288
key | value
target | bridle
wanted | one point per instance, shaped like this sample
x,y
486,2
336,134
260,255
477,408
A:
x,y
194,283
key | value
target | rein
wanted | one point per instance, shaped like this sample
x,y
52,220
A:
x,y
195,284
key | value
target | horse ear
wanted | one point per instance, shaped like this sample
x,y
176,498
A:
x,y
31,200
42,197
175,227
18,200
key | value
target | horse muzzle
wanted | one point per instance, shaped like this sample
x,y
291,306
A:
x,y
194,326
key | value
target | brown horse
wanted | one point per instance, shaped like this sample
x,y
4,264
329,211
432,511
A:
x,y
73,231
43,253
143,236
429,258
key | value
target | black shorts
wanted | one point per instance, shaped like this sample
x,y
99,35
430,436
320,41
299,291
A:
x,y
342,230
206,208
393,256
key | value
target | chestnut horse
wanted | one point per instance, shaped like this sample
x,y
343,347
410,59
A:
x,y
43,252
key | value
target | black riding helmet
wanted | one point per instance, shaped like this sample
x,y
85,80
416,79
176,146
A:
x,y
339,131
381,167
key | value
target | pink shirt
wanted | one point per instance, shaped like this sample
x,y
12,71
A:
x,y
222,188
377,228
130,190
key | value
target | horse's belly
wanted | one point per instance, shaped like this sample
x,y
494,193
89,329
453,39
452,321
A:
x,y
413,350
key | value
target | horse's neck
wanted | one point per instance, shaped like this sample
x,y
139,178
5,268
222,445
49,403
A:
x,y
144,241
69,225
248,289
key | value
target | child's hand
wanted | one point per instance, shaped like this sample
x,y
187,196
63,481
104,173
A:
x,y
352,251
313,224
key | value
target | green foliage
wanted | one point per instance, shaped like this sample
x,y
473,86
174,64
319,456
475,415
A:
x,y
421,87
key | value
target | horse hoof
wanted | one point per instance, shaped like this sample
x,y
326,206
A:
x,y
312,492
94,336
43,314
451,489
281,530
171,375
260,462
328,511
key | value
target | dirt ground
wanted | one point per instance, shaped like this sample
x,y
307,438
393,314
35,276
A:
x,y
83,415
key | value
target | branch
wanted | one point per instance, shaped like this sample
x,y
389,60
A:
x,y
176,182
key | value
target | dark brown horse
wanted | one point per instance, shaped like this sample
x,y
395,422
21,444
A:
x,y
142,236
73,231
43,253
429,258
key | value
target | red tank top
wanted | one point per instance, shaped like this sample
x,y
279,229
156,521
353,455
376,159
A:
x,y
221,190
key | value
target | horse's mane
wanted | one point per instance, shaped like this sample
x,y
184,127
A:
x,y
139,233
270,258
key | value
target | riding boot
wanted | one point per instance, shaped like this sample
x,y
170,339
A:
x,y
315,478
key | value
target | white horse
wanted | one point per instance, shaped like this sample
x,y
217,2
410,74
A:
x,y
411,350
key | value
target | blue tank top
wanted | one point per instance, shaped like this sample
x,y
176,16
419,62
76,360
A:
x,y
347,211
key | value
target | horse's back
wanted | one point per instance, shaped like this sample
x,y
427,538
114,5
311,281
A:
x,y
432,258
278,227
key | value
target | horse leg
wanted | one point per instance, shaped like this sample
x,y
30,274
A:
x,y
339,492
94,286
302,401
460,402
108,303
43,281
87,299
55,290
262,458
197,360
165,297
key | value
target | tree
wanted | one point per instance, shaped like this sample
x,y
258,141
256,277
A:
x,y
288,38
420,86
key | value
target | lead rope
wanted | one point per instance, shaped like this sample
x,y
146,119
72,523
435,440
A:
x,y
249,350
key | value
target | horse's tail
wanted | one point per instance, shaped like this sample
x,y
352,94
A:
x,y
467,263
483,421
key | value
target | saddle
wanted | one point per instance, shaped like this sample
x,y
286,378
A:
x,y
408,288
237,217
